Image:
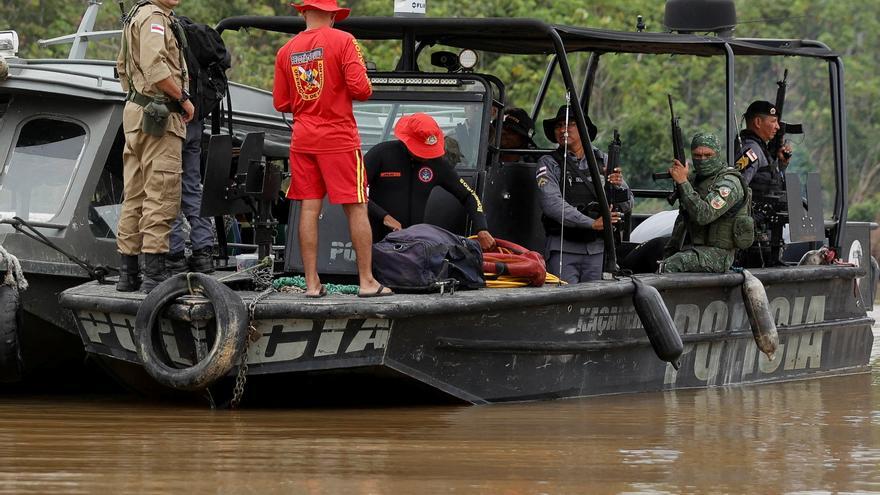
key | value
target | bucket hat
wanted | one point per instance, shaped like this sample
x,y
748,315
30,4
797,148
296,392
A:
x,y
325,5
550,124
421,135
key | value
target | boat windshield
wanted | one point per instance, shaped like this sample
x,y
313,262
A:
x,y
37,177
460,121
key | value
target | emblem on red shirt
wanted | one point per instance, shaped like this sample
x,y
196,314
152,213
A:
x,y
426,174
308,73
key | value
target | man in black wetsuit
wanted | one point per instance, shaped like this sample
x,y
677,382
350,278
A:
x,y
402,173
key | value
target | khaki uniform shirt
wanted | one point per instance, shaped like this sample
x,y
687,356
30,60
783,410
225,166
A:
x,y
153,55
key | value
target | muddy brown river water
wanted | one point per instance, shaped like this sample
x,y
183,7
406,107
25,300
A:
x,y
810,437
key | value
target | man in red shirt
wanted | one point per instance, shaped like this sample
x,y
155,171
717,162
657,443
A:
x,y
317,75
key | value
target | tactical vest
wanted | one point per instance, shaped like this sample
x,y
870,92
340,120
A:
x,y
768,179
721,233
579,194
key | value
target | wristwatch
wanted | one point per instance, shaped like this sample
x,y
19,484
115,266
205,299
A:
x,y
184,96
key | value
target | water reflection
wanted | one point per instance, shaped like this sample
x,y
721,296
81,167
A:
x,y
803,437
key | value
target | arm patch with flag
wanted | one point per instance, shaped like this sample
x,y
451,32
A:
x,y
158,29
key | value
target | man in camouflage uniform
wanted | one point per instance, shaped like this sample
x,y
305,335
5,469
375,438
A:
x,y
152,71
765,174
714,215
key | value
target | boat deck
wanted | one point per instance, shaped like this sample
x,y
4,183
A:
x,y
94,296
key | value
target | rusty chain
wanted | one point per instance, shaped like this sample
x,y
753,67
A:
x,y
252,336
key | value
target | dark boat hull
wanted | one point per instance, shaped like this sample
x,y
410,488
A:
x,y
53,355
526,344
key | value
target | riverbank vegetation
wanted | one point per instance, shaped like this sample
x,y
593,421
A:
x,y
630,91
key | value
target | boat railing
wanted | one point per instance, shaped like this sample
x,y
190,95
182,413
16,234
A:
x,y
98,79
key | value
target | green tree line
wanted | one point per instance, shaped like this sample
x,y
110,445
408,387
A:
x,y
630,91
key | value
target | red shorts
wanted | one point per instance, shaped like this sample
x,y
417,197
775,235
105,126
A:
x,y
341,175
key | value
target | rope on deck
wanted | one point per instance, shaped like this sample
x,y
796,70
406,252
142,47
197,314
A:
x,y
14,275
298,284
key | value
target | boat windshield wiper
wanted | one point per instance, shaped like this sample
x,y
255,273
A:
x,y
98,273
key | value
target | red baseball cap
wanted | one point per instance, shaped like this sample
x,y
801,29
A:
x,y
325,5
421,135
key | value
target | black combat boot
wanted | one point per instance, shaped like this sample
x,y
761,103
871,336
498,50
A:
x,y
176,263
202,260
154,271
129,274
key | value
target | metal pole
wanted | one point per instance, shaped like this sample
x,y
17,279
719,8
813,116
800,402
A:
x,y
407,61
542,90
590,80
732,130
841,159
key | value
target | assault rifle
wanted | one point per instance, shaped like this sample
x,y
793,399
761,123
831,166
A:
x,y
677,151
614,194
778,140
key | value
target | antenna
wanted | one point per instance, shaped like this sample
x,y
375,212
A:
x,y
79,41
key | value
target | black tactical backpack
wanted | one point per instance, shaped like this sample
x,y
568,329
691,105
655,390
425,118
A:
x,y
427,258
207,61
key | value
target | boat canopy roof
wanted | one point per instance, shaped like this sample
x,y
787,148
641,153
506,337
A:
x,y
532,36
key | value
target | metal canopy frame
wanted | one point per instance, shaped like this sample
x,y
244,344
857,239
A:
x,y
531,36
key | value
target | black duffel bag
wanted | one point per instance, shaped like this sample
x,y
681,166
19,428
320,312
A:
x,y
427,258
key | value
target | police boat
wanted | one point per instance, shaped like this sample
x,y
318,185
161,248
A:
x,y
239,337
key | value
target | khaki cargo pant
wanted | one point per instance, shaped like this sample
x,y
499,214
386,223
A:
x,y
152,167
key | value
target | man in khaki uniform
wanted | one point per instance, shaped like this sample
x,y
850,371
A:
x,y
152,70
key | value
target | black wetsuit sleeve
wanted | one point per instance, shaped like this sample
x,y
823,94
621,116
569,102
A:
x,y
373,163
455,185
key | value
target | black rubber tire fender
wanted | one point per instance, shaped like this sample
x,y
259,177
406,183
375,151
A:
x,y
230,316
874,273
11,366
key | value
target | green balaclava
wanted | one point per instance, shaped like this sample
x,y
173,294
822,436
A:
x,y
710,166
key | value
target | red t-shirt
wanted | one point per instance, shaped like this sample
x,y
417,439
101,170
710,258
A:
x,y
317,75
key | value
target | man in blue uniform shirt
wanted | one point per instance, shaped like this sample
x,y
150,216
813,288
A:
x,y
765,175
579,243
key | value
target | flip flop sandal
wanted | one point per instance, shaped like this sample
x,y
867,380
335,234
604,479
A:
x,y
378,292
321,293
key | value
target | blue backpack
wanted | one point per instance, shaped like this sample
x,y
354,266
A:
x,y
427,258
